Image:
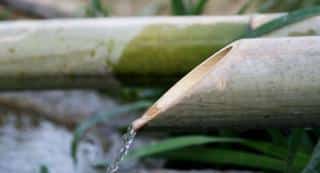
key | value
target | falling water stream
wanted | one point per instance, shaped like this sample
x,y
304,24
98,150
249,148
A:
x,y
128,139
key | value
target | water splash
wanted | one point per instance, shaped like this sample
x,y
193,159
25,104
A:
x,y
128,139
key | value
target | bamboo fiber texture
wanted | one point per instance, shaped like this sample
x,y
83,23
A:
x,y
251,83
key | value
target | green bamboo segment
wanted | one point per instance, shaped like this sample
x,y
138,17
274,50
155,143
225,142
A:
x,y
252,83
50,51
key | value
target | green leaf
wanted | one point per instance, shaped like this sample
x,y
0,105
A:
x,y
277,151
267,148
267,5
282,21
198,7
293,146
307,143
5,14
177,143
277,137
314,163
226,156
316,131
173,144
245,6
99,118
44,169
96,9
186,141
178,8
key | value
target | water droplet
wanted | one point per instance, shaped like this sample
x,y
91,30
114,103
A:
x,y
128,139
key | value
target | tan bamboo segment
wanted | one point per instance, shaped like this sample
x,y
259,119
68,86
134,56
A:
x,y
83,52
251,83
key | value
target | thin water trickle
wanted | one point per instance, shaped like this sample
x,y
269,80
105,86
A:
x,y
128,139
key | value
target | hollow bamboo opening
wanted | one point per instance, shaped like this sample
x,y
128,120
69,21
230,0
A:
x,y
180,89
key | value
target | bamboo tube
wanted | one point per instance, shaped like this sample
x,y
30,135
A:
x,y
251,83
48,8
68,53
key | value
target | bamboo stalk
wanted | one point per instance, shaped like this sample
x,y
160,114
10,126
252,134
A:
x,y
47,9
252,83
50,51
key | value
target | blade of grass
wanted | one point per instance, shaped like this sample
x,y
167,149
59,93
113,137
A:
x,y
267,6
282,21
178,8
96,9
277,151
316,131
314,163
226,157
177,143
226,133
245,6
5,14
232,157
170,144
198,7
171,148
277,137
268,149
307,143
99,118
293,146
310,3
44,169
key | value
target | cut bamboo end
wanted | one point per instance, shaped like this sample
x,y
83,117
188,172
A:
x,y
177,92
252,83
151,113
